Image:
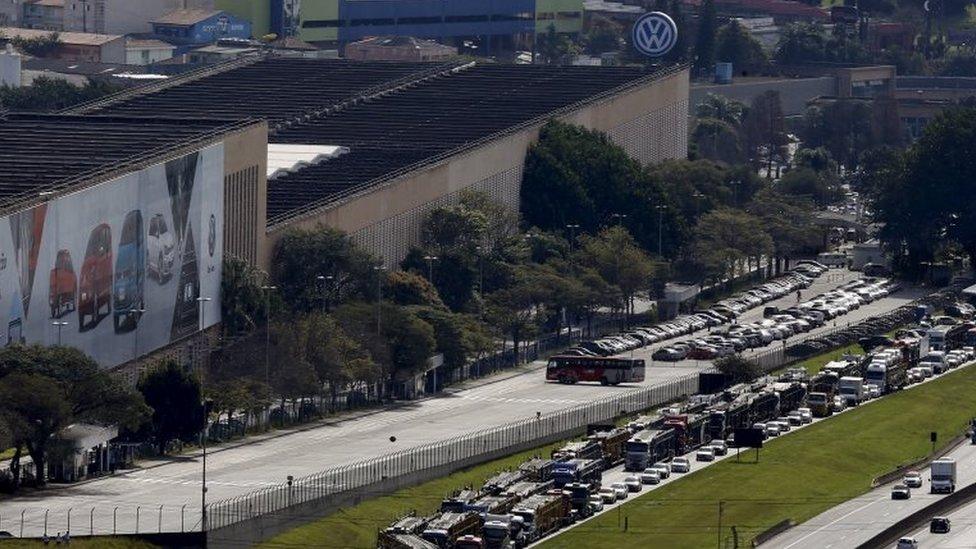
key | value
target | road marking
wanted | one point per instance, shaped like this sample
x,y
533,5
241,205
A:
x,y
835,521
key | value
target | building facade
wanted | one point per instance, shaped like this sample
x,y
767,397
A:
x,y
77,46
121,16
44,14
189,27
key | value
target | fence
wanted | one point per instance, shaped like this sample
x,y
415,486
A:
x,y
380,474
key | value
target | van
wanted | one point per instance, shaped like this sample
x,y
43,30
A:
x,y
832,259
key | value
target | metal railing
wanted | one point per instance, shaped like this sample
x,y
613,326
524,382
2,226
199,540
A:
x,y
454,453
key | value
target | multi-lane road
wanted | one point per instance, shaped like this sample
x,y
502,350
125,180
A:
x,y
963,532
234,470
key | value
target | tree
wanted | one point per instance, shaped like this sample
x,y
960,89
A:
x,y
717,140
410,288
45,389
40,46
765,130
603,39
243,304
511,310
175,396
705,37
614,254
51,94
404,344
453,229
725,238
738,368
735,45
302,255
787,220
820,188
721,108
843,127
801,43
337,359
554,46
818,160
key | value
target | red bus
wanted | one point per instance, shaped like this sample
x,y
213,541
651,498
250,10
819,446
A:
x,y
608,371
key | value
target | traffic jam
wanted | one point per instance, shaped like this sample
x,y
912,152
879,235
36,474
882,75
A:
x,y
614,462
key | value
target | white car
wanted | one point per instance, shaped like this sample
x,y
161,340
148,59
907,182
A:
x,y
160,249
596,503
720,447
680,465
620,489
705,454
806,414
907,543
633,484
650,476
913,479
772,429
608,495
663,469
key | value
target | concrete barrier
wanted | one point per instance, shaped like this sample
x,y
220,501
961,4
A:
x,y
917,519
918,464
773,531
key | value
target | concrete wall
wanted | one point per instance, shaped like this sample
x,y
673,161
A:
x,y
794,92
245,186
650,122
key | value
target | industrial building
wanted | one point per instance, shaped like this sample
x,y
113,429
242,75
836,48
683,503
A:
x,y
115,231
371,148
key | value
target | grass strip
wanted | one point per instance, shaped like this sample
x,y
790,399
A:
x,y
798,476
357,526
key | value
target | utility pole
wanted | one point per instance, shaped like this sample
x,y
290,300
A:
x,y
267,333
379,298
60,324
660,228
572,235
430,266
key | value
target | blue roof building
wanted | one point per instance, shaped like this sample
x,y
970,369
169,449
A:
x,y
189,27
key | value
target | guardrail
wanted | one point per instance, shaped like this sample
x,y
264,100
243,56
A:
x,y
364,477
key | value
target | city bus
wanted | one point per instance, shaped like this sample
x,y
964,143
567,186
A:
x,y
608,371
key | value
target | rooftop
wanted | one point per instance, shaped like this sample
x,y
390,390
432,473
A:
x,y
185,17
41,153
392,117
73,38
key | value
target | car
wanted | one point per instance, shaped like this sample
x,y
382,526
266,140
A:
x,y
668,354
633,483
5,534
63,285
130,264
596,503
772,429
705,454
608,495
900,491
680,465
806,414
784,424
795,418
663,469
95,286
650,476
620,489
907,543
161,249
720,447
940,525
913,479
761,427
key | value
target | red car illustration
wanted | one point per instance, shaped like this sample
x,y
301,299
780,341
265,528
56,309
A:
x,y
96,279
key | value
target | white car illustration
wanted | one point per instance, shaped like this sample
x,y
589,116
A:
x,y
161,249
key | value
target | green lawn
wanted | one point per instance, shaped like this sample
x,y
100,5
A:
x,y
357,526
799,475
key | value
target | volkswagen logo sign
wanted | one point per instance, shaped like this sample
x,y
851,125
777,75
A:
x,y
654,34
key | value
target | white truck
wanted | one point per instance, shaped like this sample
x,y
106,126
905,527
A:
x,y
943,472
851,389
936,360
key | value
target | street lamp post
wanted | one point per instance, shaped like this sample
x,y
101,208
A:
x,y
60,324
697,196
618,217
202,300
267,332
326,282
660,228
572,234
379,298
430,266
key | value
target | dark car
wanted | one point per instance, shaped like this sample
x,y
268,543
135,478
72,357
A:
x,y
96,279
940,525
130,274
668,354
63,285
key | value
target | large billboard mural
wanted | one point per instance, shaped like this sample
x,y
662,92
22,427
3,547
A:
x,y
118,270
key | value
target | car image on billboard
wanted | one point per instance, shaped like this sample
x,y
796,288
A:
x,y
96,279
162,249
63,285
130,262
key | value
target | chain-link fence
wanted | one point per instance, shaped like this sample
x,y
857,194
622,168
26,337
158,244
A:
x,y
364,476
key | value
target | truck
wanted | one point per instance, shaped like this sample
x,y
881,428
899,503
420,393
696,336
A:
x,y
588,471
612,444
579,498
887,377
851,389
821,405
935,360
389,540
443,530
943,472
459,501
648,447
584,449
763,407
824,382
492,504
537,469
541,514
502,532
525,489
791,396
724,418
650,421
690,431
846,366
500,481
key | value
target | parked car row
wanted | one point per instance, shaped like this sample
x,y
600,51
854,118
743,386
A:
x,y
722,312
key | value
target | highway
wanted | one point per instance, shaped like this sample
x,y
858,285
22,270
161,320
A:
x,y
857,520
963,532
236,469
